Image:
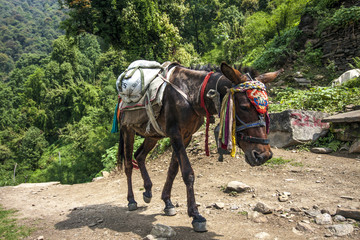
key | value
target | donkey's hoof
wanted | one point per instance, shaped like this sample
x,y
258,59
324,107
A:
x,y
170,211
147,197
132,206
199,226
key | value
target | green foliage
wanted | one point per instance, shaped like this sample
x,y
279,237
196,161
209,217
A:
x,y
20,25
138,27
9,229
326,99
341,17
57,93
277,161
109,159
328,141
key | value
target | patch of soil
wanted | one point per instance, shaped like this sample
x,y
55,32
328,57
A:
x,y
98,210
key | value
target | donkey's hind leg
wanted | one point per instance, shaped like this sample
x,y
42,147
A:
x,y
128,135
140,156
166,193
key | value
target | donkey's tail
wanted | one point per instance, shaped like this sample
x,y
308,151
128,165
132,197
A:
x,y
120,154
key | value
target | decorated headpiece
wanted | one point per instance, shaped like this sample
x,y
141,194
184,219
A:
x,y
256,93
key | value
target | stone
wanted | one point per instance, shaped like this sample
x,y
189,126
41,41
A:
x,y
339,218
321,150
97,179
105,174
303,81
256,217
304,227
219,205
341,229
295,209
293,127
283,197
262,235
312,212
346,76
262,208
40,238
234,207
162,231
355,147
237,186
323,219
349,213
149,237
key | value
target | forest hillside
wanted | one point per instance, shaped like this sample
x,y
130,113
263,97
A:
x,y
59,60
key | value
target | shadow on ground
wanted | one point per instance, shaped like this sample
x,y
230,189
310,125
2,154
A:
x,y
121,220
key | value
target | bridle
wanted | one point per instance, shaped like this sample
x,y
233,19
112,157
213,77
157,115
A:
x,y
232,126
240,136
261,123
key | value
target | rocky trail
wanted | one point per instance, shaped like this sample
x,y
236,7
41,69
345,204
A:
x,y
300,198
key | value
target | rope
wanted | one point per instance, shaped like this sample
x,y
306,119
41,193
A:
x,y
202,104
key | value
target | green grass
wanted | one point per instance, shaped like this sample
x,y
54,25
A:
x,y
277,161
9,229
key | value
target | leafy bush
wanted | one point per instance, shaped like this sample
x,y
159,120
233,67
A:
x,y
328,141
324,99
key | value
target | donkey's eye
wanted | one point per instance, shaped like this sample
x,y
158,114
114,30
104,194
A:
x,y
245,108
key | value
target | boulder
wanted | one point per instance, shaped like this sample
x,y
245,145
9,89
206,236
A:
x,y
293,127
237,187
346,76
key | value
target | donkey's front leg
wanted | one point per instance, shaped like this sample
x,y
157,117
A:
x,y
199,222
128,135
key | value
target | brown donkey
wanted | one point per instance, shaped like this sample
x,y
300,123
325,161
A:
x,y
187,99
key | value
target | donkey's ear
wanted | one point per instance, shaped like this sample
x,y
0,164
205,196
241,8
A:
x,y
231,73
269,77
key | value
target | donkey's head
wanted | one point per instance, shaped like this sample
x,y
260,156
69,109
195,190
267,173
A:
x,y
244,120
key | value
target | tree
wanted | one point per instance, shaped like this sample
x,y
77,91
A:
x,y
136,26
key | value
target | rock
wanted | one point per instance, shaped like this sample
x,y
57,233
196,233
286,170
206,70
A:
x,y
303,81
97,179
283,197
162,231
262,208
341,229
149,237
349,213
295,209
105,174
313,212
262,235
219,205
237,186
355,147
321,150
40,238
234,207
256,217
339,218
323,219
346,76
293,127
304,227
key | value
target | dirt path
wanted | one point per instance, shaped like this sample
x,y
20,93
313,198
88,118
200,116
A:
x,y
98,210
